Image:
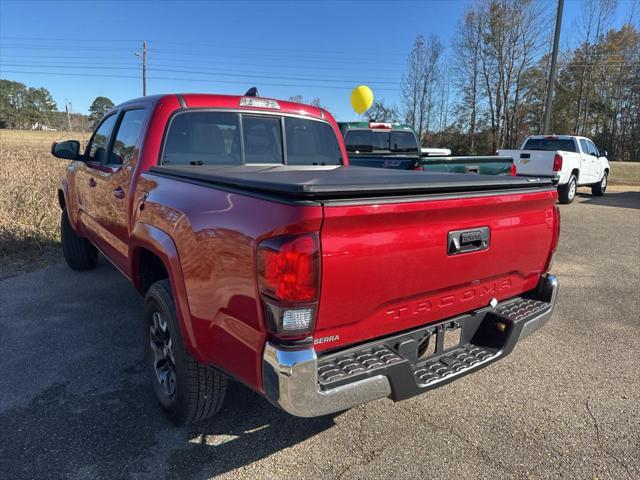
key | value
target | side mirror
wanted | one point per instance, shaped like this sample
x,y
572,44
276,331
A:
x,y
603,153
68,150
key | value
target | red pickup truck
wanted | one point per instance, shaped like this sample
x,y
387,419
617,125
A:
x,y
263,257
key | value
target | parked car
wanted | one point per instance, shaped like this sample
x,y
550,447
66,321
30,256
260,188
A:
x,y
574,160
264,257
395,146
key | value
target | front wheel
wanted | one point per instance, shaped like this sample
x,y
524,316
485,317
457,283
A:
x,y
598,189
79,253
567,192
188,391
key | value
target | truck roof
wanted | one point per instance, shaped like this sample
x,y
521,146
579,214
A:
x,y
210,100
394,126
553,135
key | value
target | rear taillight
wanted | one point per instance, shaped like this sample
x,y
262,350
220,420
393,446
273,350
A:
x,y
288,278
513,171
418,167
555,239
557,162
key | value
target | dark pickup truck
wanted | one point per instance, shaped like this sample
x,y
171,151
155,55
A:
x,y
264,257
395,146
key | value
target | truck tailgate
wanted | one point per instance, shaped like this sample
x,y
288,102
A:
x,y
531,162
386,266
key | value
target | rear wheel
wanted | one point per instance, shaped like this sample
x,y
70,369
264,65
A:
x,y
188,391
598,189
79,252
567,192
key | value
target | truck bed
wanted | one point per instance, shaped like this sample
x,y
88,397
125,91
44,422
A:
x,y
315,183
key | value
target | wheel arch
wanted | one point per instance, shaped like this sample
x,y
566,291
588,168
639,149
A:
x,y
153,256
576,172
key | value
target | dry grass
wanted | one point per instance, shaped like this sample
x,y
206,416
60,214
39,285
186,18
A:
x,y
625,173
29,212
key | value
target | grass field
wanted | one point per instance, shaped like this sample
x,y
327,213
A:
x,y
29,212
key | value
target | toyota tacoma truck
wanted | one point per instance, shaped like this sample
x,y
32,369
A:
x,y
574,161
395,146
264,257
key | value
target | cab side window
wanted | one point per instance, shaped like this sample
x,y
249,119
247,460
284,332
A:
x,y
97,151
584,146
127,137
592,149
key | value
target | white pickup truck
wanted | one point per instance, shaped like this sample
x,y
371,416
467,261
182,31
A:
x,y
575,160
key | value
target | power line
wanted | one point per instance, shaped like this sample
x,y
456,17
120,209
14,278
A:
x,y
252,48
196,53
212,81
201,72
249,64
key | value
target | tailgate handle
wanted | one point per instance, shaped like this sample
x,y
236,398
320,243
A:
x,y
469,240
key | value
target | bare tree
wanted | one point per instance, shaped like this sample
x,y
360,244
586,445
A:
x,y
381,112
419,82
466,70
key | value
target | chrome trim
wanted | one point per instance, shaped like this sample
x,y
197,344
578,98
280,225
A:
x,y
291,383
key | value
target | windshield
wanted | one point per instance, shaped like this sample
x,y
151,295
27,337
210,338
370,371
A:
x,y
550,144
364,141
216,138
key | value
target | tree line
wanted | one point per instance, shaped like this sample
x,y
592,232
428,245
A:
x,y
497,71
31,108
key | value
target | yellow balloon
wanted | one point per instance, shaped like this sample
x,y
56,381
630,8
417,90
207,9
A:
x,y
361,99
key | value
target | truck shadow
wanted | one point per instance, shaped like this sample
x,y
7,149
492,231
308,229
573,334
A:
x,y
613,199
92,414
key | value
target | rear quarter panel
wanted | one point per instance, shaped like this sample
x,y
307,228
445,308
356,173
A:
x,y
216,233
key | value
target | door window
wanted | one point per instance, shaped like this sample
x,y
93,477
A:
x,y
584,147
127,137
100,140
592,148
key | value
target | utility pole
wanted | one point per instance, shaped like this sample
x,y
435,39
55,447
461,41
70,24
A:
x,y
67,108
143,56
552,72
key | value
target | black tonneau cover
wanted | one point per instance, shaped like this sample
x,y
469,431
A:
x,y
310,182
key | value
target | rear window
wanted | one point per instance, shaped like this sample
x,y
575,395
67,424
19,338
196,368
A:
x,y
364,141
214,138
311,143
550,144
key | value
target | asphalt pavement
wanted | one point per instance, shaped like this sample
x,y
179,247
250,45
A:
x,y
75,402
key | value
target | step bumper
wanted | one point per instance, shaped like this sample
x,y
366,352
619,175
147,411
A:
x,y
305,385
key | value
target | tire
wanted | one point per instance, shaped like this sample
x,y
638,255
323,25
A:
x,y
79,253
598,189
567,192
186,390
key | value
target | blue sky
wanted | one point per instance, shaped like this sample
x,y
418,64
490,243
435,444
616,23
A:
x,y
82,49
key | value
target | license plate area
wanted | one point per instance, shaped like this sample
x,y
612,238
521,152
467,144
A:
x,y
439,339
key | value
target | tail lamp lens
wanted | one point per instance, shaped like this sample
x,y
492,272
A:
x,y
557,162
513,171
288,277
